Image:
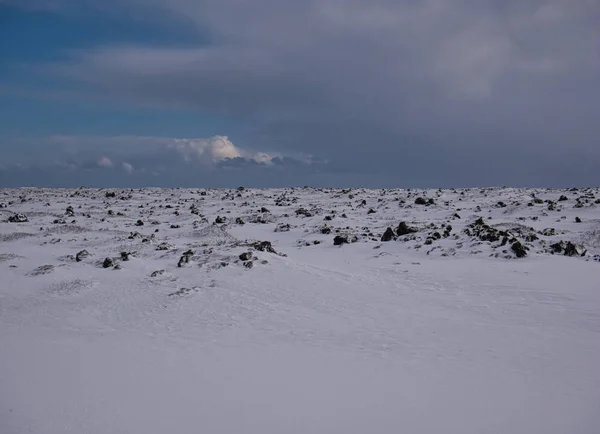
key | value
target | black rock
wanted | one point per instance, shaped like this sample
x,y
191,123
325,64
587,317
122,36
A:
x,y
18,218
577,220
108,262
125,256
219,220
571,249
264,246
340,239
248,264
325,230
80,256
239,221
404,229
388,235
246,256
371,211
519,250
139,223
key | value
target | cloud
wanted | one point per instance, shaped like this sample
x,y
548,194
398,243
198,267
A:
x,y
105,162
127,167
374,86
214,150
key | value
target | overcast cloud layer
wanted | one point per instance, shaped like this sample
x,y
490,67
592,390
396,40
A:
x,y
431,92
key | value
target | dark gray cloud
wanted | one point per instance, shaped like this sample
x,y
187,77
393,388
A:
x,y
460,91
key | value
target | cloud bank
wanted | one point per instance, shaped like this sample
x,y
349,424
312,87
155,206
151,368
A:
x,y
474,91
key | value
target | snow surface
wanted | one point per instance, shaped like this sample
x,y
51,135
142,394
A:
x,y
455,335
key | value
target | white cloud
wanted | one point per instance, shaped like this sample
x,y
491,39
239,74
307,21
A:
x,y
131,152
105,162
214,150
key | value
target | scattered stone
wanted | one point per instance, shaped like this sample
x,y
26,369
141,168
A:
x,y
248,264
264,246
519,250
42,269
18,218
81,255
404,229
125,256
340,239
157,273
304,212
175,226
220,220
107,263
246,256
239,221
388,235
577,220
182,292
139,223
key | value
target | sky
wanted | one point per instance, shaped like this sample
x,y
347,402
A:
x,y
273,93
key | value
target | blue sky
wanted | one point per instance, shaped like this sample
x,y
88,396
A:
x,y
373,93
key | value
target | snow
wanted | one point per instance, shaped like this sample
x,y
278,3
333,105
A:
x,y
456,336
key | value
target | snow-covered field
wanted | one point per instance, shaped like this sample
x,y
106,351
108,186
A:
x,y
479,314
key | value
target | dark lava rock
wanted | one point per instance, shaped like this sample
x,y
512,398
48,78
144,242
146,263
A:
x,y
157,273
80,256
371,211
325,230
404,229
107,263
139,223
264,246
246,256
185,258
562,198
239,221
340,239
283,227
219,220
248,264
18,218
388,235
519,250
420,201
304,212
175,226
571,249
125,256
110,194
577,220
70,212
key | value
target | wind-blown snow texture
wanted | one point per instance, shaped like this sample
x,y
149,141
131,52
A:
x,y
133,311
